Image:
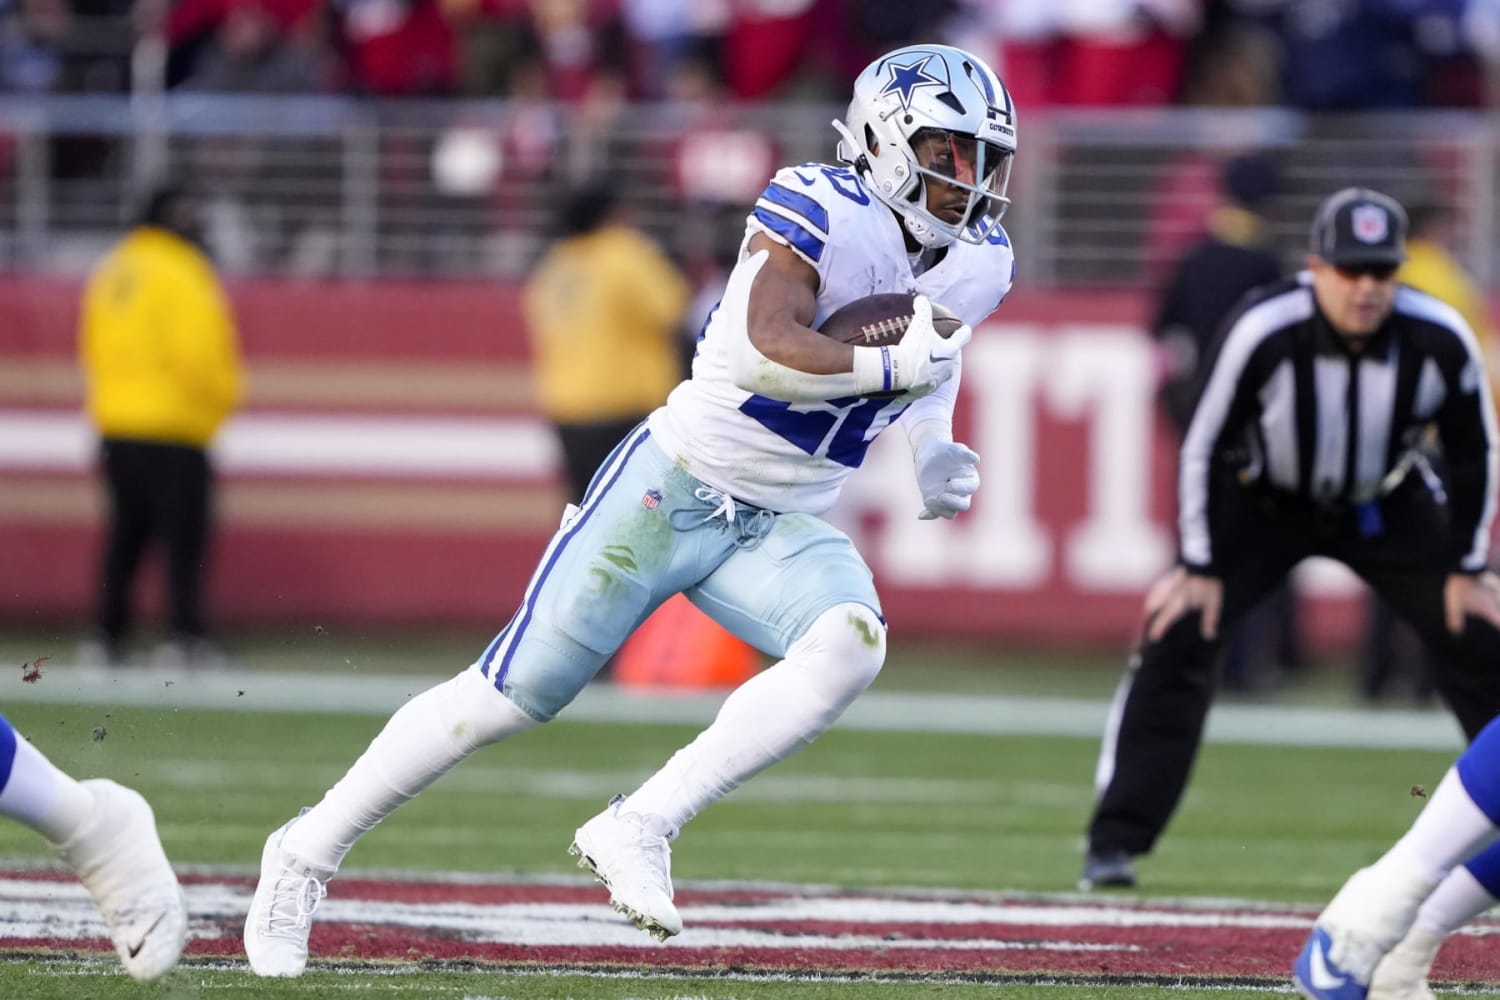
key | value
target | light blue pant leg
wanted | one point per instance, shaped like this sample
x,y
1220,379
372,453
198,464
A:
x,y
607,568
770,593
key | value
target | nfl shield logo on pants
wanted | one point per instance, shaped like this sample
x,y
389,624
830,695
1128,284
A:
x,y
651,500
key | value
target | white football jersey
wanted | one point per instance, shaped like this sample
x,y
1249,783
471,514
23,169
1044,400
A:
x,y
796,456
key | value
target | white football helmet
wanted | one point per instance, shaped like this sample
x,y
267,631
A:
x,y
933,93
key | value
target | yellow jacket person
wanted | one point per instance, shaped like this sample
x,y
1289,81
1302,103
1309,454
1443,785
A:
x,y
161,366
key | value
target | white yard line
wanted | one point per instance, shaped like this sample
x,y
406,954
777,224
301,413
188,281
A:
x,y
353,693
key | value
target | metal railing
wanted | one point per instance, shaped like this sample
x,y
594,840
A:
x,y
335,187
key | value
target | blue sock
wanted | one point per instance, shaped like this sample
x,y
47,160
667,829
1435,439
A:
x,y
1485,867
1479,770
7,750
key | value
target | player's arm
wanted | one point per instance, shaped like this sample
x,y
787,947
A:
x,y
771,299
779,317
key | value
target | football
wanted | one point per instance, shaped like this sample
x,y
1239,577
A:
x,y
881,320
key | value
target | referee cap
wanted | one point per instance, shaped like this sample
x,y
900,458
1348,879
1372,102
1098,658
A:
x,y
1360,226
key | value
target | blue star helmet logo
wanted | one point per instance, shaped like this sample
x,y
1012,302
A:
x,y
905,79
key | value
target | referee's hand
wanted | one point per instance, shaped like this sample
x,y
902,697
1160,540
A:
x,y
1465,595
1180,593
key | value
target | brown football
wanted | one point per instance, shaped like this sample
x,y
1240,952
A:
x,y
881,320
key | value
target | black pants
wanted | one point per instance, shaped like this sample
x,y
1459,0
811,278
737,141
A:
x,y
157,492
586,446
1154,734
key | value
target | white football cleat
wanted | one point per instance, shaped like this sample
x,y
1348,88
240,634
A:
x,y
1402,974
280,917
1363,922
119,858
628,853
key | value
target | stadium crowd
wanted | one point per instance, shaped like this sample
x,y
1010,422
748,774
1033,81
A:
x,y
1324,55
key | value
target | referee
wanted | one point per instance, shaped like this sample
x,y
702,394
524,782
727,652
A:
x,y
1343,415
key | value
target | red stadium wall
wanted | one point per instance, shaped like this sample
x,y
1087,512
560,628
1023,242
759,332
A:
x,y
390,470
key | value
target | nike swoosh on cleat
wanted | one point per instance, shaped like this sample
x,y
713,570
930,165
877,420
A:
x,y
135,949
1323,978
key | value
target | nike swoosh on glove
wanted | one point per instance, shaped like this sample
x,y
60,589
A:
x,y
948,476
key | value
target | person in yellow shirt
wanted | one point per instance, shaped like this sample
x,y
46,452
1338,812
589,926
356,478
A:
x,y
1392,650
603,310
162,371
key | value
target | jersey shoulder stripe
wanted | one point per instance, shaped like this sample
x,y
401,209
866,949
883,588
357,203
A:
x,y
802,239
781,196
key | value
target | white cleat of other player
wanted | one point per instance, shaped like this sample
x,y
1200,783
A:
x,y
280,918
1402,973
119,858
629,854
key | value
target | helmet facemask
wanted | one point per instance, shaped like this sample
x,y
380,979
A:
x,y
962,163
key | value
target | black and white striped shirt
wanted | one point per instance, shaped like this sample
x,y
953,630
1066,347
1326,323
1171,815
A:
x,y
1327,426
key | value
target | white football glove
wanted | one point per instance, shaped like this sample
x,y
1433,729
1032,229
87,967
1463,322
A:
x,y
948,476
920,363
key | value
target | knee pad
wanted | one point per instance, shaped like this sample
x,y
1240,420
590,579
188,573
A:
x,y
842,651
474,713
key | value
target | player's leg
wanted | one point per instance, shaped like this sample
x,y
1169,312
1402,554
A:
x,y
804,593
1377,906
608,566
107,834
1155,722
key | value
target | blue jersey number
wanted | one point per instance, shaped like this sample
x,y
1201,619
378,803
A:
x,y
849,421
843,181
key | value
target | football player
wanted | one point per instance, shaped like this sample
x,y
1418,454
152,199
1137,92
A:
x,y
718,495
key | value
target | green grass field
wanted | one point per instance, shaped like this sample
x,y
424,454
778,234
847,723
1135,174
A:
x,y
857,809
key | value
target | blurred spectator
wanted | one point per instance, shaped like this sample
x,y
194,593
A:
x,y
249,54
395,48
64,46
665,33
193,28
1393,654
579,40
1235,256
1096,52
161,364
765,44
1481,37
1232,66
33,34
1374,54
1206,286
603,310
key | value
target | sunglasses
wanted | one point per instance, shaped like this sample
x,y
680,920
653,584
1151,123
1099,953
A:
x,y
1380,272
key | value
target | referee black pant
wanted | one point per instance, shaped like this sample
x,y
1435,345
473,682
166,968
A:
x,y
157,492
1156,722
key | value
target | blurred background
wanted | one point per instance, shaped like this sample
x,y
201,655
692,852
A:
x,y
380,177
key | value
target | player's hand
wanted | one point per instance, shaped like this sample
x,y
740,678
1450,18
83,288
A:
x,y
922,361
1180,593
1465,595
948,476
